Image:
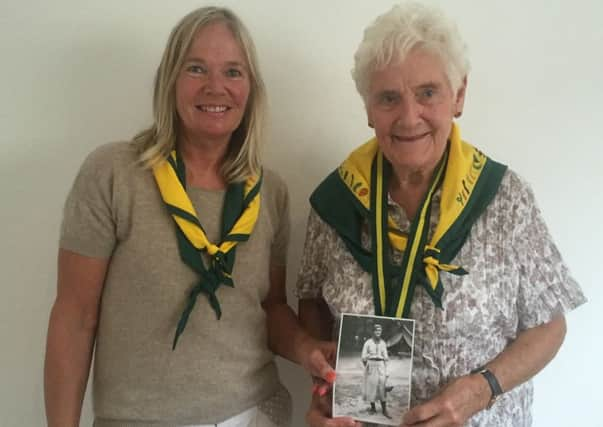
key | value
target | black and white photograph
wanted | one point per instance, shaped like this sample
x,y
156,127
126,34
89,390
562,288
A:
x,y
374,368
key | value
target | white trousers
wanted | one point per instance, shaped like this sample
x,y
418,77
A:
x,y
241,420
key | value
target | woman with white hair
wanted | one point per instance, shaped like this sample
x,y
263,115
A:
x,y
173,252
418,223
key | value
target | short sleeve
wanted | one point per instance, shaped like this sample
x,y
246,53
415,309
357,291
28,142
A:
x,y
88,226
364,355
280,242
546,288
313,269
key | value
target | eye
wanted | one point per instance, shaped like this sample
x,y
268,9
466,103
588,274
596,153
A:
x,y
196,69
388,98
426,93
233,73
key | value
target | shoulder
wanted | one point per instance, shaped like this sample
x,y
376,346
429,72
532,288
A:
x,y
113,151
108,173
515,181
514,191
272,181
109,158
275,206
274,190
513,210
319,232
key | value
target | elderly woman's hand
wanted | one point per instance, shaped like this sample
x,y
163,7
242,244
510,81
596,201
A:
x,y
452,406
319,414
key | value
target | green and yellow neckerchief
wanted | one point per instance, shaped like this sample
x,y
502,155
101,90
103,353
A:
x,y
356,194
239,215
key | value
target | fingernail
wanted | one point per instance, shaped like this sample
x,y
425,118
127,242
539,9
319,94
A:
x,y
330,377
322,390
314,388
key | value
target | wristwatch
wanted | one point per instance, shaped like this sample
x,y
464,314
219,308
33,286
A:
x,y
495,387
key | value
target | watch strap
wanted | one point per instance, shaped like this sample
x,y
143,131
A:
x,y
495,387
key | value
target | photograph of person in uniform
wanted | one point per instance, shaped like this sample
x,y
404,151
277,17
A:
x,y
374,359
374,366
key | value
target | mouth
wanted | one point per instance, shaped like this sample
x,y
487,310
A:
x,y
209,108
410,138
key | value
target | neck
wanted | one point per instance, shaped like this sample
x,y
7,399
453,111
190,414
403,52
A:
x,y
203,162
408,187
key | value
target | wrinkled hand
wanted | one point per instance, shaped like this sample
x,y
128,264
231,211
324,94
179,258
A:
x,y
319,414
452,406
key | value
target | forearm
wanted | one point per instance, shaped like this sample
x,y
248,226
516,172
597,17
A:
x,y
288,339
285,335
315,317
469,394
68,355
526,356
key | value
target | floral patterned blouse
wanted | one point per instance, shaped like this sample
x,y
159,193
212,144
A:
x,y
517,280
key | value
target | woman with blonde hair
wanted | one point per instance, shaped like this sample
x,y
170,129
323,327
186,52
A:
x,y
172,255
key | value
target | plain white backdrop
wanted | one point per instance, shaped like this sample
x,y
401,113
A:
x,y
77,74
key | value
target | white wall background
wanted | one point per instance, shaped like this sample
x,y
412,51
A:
x,y
76,74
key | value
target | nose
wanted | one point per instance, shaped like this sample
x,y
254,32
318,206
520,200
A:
x,y
214,83
409,112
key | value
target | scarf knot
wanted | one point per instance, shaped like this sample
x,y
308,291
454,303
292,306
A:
x,y
218,261
433,266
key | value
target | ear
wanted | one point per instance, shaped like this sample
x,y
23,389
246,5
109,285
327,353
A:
x,y
459,101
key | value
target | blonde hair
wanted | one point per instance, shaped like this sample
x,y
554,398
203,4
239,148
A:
x,y
406,26
157,142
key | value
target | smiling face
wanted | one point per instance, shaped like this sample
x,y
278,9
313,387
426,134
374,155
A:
x,y
213,86
411,106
